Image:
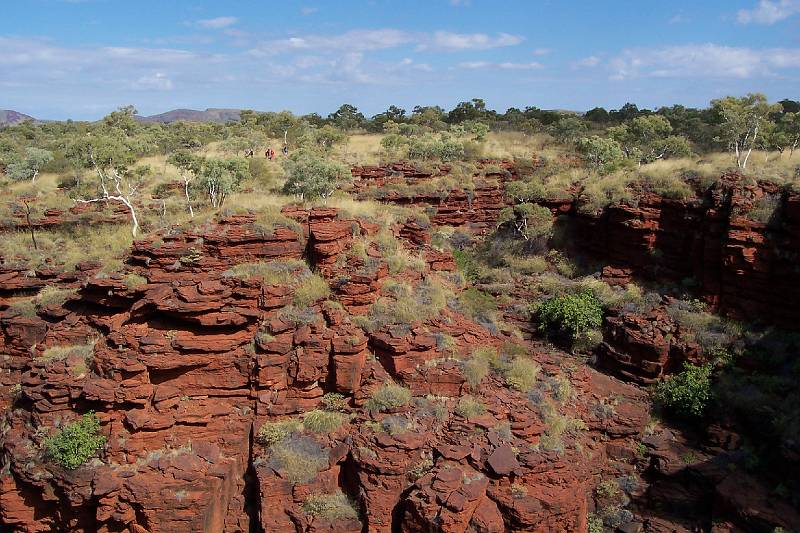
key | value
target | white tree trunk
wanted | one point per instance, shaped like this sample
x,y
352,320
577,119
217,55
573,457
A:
x,y
186,192
750,150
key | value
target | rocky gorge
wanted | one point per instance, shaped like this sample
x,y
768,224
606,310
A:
x,y
209,335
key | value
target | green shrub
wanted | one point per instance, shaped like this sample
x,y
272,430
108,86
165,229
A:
x,y
387,397
571,314
274,432
319,421
467,264
521,374
310,175
334,506
333,401
687,393
76,442
469,406
312,289
299,459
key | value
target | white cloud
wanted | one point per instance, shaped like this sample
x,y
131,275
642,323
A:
x,y
769,12
217,23
407,62
477,65
157,81
678,19
703,61
586,62
386,38
309,10
354,41
449,41
541,51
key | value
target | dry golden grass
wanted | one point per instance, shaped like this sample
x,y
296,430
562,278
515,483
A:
x,y
107,244
761,165
362,149
513,144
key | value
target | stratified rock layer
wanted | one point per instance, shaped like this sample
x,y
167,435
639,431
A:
x,y
190,361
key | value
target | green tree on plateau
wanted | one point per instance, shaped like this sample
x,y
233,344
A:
x,y
742,120
30,166
310,175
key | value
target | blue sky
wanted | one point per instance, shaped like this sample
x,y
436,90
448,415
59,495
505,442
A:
x,y
84,58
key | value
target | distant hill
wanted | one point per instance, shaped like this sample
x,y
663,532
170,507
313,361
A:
x,y
8,117
221,116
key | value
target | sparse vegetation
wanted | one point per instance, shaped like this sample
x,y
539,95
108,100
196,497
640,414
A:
x,y
333,401
387,397
273,432
271,273
469,406
319,421
521,374
311,289
299,459
331,507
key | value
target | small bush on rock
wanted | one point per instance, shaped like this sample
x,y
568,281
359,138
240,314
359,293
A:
x,y
521,374
274,432
389,396
476,304
319,421
76,442
475,369
300,459
312,289
571,314
334,506
469,406
333,401
688,393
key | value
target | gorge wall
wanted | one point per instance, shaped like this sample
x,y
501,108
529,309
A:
x,y
743,267
188,360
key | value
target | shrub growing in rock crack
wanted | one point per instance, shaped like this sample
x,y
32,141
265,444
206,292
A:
x,y
319,421
333,401
76,442
387,397
333,506
571,314
299,459
521,374
273,432
311,289
687,393
468,406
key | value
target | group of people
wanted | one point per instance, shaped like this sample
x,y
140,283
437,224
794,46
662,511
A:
x,y
269,154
